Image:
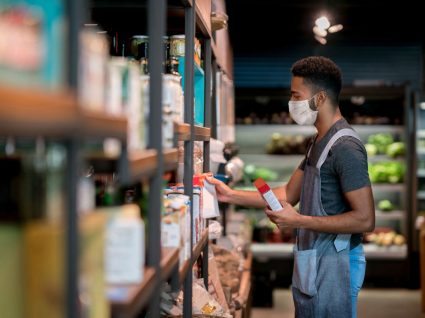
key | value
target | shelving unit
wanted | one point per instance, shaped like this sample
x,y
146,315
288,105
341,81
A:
x,y
128,300
32,113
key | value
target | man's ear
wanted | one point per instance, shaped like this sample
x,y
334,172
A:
x,y
320,98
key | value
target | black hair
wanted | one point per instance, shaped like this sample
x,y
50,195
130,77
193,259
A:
x,y
320,73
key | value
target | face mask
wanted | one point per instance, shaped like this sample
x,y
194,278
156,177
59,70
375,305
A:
x,y
301,111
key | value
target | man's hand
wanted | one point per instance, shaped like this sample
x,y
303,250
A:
x,y
288,217
224,193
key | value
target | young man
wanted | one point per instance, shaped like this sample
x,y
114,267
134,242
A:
x,y
336,202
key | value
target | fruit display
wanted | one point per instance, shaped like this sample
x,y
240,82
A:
x,y
284,144
387,172
386,239
385,206
252,173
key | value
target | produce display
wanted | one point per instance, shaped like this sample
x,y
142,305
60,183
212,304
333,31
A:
x,y
387,172
386,239
385,205
283,144
384,144
252,173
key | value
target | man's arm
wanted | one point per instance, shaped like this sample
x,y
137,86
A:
x,y
360,219
289,192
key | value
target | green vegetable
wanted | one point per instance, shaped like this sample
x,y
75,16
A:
x,y
371,150
396,149
385,205
253,173
381,141
386,172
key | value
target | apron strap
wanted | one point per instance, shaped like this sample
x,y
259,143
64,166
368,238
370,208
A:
x,y
341,133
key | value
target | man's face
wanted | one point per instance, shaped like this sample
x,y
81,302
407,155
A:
x,y
299,91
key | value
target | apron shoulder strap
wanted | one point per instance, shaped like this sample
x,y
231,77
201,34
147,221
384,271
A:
x,y
341,133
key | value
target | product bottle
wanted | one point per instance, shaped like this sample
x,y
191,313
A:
x,y
267,194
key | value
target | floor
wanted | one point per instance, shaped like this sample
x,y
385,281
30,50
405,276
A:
x,y
376,303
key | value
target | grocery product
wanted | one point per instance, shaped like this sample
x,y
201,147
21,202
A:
x,y
396,149
387,172
252,173
381,141
385,205
287,144
371,150
92,69
32,50
386,238
125,247
267,194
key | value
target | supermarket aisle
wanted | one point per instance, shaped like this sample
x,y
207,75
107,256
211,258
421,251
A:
x,y
376,303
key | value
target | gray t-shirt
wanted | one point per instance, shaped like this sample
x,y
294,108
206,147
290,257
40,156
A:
x,y
344,170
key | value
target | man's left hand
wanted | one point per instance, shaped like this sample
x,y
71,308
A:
x,y
288,217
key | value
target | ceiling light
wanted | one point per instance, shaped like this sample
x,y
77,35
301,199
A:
x,y
320,39
323,23
319,32
335,28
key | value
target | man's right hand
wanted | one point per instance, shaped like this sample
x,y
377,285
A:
x,y
224,192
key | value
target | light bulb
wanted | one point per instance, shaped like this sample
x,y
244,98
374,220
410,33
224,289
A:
x,y
320,40
335,28
323,23
319,32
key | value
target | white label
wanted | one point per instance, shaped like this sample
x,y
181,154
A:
x,y
272,201
124,255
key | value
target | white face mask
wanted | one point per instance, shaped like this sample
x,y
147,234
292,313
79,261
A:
x,y
301,112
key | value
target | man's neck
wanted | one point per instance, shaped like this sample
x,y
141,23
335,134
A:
x,y
325,122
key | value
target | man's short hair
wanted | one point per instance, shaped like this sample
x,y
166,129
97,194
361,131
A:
x,y
320,73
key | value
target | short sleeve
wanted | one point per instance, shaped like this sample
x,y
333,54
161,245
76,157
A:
x,y
350,164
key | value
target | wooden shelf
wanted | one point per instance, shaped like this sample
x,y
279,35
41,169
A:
x,y
30,113
202,21
170,259
195,255
171,159
128,300
143,164
201,133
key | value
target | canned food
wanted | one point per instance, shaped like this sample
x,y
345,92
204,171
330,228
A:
x,y
177,45
139,46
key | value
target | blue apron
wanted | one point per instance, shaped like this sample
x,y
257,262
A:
x,y
321,277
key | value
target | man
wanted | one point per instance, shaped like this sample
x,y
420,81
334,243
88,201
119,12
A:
x,y
336,201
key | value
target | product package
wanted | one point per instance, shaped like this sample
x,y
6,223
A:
x,y
125,246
